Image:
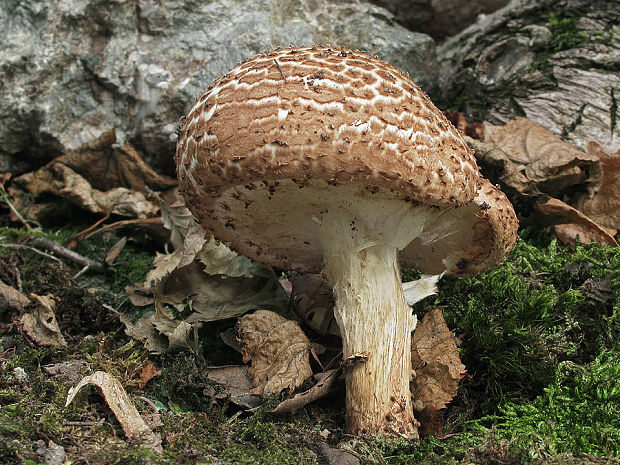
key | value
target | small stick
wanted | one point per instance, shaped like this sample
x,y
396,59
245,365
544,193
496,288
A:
x,y
280,69
10,350
82,423
81,272
234,417
5,198
90,228
119,224
149,402
32,249
69,254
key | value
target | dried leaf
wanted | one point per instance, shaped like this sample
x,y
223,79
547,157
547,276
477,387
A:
x,y
549,164
176,216
604,205
52,454
149,371
98,176
202,276
279,352
497,166
41,324
599,290
117,399
233,383
114,251
209,298
233,376
333,456
459,120
220,260
324,383
584,233
62,181
139,295
12,298
550,212
438,368
229,337
214,298
164,264
107,165
314,303
144,330
70,371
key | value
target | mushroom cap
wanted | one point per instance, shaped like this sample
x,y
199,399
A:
x,y
285,136
469,240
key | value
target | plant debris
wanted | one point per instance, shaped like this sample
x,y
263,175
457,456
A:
x,y
603,205
279,352
41,325
536,169
314,302
125,412
549,164
324,384
438,371
69,371
233,383
98,177
149,371
201,277
539,333
12,298
550,211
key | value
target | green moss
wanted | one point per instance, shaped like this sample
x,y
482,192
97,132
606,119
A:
x,y
427,451
262,441
546,305
579,412
16,235
565,33
539,337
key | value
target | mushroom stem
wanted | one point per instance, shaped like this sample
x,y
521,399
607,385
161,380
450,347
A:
x,y
375,324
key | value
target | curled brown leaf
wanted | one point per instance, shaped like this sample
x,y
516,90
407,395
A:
x,y
438,370
278,349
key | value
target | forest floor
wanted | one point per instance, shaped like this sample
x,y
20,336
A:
x,y
539,338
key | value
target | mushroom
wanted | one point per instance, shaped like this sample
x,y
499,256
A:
x,y
326,159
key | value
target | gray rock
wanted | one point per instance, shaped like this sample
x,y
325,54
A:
x,y
557,62
53,454
73,69
333,456
439,18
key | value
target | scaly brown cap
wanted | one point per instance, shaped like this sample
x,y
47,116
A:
x,y
325,120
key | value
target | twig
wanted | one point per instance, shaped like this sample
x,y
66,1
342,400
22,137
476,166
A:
x,y
81,272
149,402
78,236
83,423
10,350
32,249
5,198
234,417
119,224
68,254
